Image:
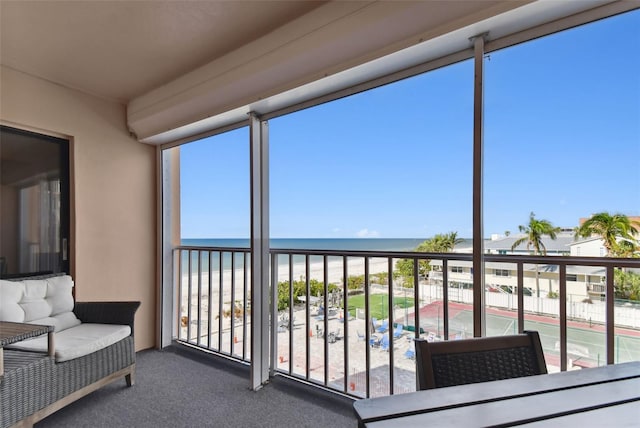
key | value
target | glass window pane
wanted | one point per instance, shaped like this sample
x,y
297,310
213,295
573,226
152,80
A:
x,y
34,203
562,128
392,162
562,143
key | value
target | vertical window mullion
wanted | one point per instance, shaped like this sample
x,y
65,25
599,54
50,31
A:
x,y
479,328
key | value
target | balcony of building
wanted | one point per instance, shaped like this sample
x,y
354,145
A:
x,y
321,360
127,88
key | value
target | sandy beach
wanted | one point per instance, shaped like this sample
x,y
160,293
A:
x,y
234,284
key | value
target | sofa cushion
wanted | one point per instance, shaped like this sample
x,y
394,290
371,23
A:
x,y
60,294
34,301
39,301
77,341
65,320
59,322
10,297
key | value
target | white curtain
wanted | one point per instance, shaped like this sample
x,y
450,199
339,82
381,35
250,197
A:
x,y
40,227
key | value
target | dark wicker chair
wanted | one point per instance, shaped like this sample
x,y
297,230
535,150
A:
x,y
34,385
481,359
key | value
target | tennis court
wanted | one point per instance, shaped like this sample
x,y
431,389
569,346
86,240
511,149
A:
x,y
586,345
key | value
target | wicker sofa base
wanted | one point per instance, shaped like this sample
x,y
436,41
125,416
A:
x,y
34,386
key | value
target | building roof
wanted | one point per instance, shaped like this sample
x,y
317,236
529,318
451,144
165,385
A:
x,y
576,270
560,245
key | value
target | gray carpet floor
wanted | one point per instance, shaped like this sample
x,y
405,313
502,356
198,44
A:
x,y
177,388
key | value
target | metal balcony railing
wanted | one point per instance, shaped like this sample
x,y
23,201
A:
x,y
345,320
213,302
596,288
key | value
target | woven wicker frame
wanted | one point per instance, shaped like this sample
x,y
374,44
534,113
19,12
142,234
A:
x,y
35,386
460,362
26,387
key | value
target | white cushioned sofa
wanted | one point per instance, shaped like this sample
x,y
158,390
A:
x,y
93,344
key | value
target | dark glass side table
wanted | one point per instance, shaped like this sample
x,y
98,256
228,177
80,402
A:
x,y
12,332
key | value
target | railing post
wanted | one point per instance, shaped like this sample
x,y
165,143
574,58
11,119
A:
x,y
259,153
563,316
189,295
445,299
199,300
416,306
367,328
520,274
307,275
610,319
220,297
209,303
274,314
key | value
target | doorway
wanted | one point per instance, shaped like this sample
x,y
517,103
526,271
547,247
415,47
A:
x,y
34,203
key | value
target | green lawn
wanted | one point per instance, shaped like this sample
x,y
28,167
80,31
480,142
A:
x,y
378,304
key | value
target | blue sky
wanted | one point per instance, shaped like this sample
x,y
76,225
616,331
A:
x,y
562,139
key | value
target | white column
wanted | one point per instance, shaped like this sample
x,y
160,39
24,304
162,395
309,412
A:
x,y
169,236
259,153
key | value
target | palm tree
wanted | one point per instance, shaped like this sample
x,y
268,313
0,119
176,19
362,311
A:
x,y
446,243
627,249
440,243
613,229
534,231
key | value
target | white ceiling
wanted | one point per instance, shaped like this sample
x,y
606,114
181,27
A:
x,y
119,50
123,49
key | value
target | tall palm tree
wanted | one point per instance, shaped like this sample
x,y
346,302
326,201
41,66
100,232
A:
x,y
613,229
534,231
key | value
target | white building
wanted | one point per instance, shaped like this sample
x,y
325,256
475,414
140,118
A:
x,y
582,281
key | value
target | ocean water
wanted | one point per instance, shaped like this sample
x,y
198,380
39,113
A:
x,y
354,244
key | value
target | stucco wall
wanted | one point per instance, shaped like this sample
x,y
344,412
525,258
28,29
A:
x,y
113,236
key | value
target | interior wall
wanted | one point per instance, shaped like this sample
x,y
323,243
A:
x,y
113,236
